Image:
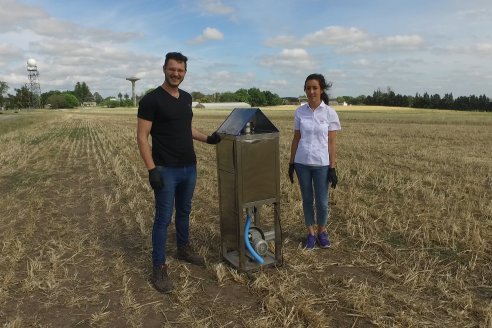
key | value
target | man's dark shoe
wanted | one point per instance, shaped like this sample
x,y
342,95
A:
x,y
186,253
161,280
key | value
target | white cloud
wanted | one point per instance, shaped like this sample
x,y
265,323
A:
x,y
293,60
208,33
330,35
483,48
72,42
15,15
480,50
333,35
212,81
282,40
7,50
216,7
22,18
362,62
349,40
474,14
295,54
403,41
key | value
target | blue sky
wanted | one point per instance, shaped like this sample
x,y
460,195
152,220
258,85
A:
x,y
435,46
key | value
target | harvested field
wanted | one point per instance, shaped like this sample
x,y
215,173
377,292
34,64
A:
x,y
410,223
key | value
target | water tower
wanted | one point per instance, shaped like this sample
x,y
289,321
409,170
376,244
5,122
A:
x,y
34,87
134,96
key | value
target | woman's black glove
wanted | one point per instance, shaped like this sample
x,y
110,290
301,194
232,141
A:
x,y
291,172
155,179
332,177
213,139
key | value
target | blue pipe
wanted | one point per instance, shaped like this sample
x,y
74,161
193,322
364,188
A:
x,y
257,257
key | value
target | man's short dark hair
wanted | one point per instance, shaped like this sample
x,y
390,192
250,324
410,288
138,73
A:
x,y
177,56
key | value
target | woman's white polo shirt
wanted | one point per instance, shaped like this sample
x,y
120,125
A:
x,y
314,127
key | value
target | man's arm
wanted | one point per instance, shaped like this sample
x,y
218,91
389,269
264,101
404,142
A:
x,y
143,132
198,135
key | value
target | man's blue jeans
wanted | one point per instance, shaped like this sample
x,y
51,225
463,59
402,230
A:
x,y
179,185
313,181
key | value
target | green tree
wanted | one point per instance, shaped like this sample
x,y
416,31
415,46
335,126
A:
x,y
197,96
110,102
120,96
435,101
256,97
71,100
45,96
63,100
22,98
98,98
3,92
56,101
82,92
227,97
272,99
243,96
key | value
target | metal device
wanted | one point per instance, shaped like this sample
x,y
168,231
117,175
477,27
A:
x,y
249,190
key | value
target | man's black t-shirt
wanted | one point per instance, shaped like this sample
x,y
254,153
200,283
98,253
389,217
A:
x,y
172,141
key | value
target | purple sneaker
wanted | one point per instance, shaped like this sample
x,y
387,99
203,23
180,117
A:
x,y
310,242
323,240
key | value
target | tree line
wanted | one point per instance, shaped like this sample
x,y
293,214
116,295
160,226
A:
x,y
253,96
23,98
390,98
81,94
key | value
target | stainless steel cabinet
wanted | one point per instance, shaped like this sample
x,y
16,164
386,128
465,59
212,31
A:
x,y
249,186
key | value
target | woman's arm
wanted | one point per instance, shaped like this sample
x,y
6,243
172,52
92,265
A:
x,y
332,147
294,145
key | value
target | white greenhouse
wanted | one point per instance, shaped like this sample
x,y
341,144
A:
x,y
222,105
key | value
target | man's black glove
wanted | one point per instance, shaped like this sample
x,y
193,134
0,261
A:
x,y
155,179
332,177
213,139
291,172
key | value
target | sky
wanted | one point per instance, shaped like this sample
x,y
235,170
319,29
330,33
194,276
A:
x,y
414,46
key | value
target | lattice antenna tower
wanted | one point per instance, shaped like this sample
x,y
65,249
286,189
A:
x,y
34,87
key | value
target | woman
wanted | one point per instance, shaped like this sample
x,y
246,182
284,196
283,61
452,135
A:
x,y
313,157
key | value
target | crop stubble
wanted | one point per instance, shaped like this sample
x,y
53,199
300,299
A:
x,y
410,224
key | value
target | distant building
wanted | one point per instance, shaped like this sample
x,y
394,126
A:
x,y
223,105
89,104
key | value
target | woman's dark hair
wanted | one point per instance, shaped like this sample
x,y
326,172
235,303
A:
x,y
177,56
325,86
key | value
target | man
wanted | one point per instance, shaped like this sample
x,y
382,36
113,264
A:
x,y
166,114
